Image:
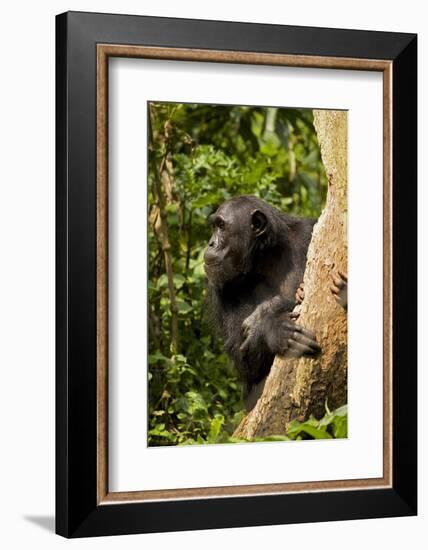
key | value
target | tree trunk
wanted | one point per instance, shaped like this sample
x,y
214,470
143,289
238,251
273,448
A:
x,y
297,388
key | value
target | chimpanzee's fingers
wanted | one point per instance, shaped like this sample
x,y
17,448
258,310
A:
x,y
306,332
245,329
304,339
294,315
337,280
343,275
300,294
244,346
308,341
289,325
334,289
296,349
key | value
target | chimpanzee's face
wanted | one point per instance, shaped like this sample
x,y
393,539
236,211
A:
x,y
236,226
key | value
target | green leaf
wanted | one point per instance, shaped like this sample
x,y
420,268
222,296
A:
x,y
215,428
333,424
158,357
162,281
179,280
207,200
340,427
183,307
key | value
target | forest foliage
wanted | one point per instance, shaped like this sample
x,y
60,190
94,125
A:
x,y
199,156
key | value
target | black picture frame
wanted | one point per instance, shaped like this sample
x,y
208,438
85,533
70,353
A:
x,y
78,513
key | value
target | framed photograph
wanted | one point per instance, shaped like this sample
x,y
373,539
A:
x,y
236,274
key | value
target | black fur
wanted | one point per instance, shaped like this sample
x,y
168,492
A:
x,y
255,261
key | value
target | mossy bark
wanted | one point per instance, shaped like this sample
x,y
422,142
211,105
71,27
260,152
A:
x,y
297,388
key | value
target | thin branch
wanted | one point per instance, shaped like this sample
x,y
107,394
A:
x,y
164,237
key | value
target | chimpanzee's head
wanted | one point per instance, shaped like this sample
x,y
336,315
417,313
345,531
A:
x,y
240,228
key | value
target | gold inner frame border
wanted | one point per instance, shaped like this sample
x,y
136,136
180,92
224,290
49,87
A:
x,y
104,52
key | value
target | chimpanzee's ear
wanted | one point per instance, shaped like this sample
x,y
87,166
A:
x,y
258,222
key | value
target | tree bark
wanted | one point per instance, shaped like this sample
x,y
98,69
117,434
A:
x,y
297,388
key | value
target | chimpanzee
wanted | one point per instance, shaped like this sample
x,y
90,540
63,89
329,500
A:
x,y
255,261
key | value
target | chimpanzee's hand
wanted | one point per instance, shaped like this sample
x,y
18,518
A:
x,y
289,339
300,294
279,333
339,288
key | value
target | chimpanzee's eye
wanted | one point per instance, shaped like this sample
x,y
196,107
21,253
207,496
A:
x,y
220,224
